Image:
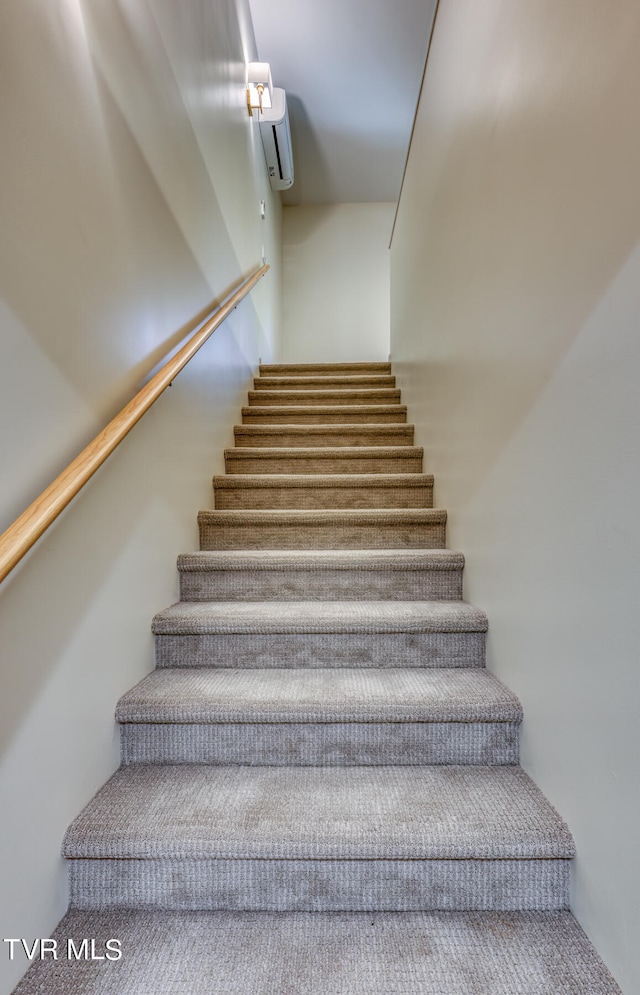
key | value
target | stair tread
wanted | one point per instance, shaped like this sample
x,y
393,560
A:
x,y
322,559
344,409
311,394
344,428
304,695
281,381
339,407
283,368
194,617
318,395
315,480
320,813
261,953
323,434
318,738
319,516
328,452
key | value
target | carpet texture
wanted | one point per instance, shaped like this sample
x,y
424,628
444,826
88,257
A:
x,y
368,528
319,696
323,380
309,369
319,616
311,744
321,633
317,413
323,435
351,395
319,717
386,813
320,787
324,459
318,649
339,885
321,575
312,491
436,953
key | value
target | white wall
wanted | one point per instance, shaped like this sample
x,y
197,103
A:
x,y
130,179
515,280
336,283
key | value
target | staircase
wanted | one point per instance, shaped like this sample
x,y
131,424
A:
x,y
320,790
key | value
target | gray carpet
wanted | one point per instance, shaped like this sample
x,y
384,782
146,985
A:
x,y
425,813
321,634
316,575
321,649
437,953
320,717
319,616
416,695
321,575
310,744
398,561
320,789
356,885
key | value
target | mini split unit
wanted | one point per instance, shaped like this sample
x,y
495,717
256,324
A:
x,y
276,141
271,106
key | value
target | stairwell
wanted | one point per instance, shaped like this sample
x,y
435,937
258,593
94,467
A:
x,y
320,787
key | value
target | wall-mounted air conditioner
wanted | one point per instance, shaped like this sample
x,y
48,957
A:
x,y
276,141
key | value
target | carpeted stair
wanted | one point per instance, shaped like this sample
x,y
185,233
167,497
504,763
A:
x,y
320,789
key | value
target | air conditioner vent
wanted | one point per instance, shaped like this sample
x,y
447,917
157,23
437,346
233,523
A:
x,y
276,141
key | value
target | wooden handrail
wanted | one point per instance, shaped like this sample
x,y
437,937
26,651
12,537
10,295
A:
x,y
27,529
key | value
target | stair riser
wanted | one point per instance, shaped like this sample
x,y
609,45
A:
x,y
321,744
237,461
335,381
396,649
336,415
229,498
320,885
338,536
279,398
394,435
321,585
325,369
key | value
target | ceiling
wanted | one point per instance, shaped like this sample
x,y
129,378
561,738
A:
x,y
352,72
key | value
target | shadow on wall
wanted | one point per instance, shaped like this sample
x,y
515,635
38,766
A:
x,y
64,577
340,184
151,483
112,234
495,289
103,230
146,369
309,219
310,170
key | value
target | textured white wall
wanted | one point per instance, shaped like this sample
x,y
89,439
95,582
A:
x,y
130,180
336,283
515,280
